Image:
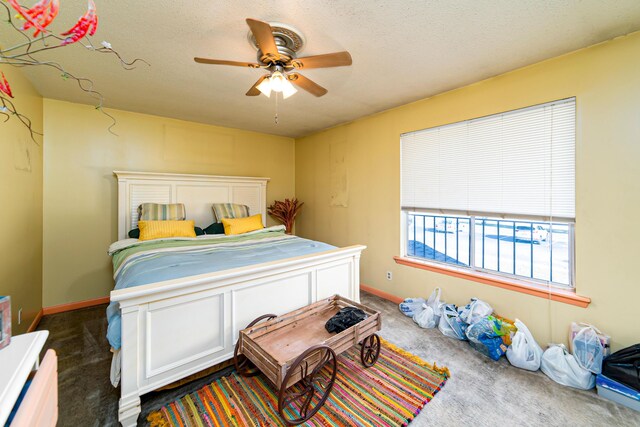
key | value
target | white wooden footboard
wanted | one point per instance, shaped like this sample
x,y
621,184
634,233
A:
x,y
175,328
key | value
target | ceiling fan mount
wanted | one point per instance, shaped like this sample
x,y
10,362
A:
x,y
278,46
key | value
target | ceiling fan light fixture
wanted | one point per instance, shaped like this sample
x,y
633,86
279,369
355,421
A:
x,y
277,82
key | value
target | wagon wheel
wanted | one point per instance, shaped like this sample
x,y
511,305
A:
x,y
370,350
301,401
243,365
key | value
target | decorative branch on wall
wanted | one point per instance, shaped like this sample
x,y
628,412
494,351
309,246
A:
x,y
285,212
38,18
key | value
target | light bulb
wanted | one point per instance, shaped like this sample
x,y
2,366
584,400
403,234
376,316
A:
x,y
277,81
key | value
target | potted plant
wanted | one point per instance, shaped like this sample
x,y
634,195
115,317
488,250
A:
x,y
285,211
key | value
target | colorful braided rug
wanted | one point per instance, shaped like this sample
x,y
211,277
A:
x,y
391,393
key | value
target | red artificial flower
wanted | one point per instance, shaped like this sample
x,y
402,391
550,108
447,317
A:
x,y
4,86
87,24
23,14
41,13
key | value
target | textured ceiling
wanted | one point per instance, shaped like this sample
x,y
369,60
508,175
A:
x,y
403,50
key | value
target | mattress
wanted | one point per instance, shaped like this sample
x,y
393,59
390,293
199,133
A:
x,y
139,263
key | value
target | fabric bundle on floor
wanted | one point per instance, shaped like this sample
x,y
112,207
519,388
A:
x,y
391,393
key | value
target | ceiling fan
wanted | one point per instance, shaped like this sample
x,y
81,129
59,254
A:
x,y
277,45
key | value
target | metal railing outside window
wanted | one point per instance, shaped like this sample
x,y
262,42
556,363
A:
x,y
533,250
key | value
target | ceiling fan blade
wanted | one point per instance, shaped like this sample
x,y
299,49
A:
x,y
264,36
306,84
337,59
254,89
224,62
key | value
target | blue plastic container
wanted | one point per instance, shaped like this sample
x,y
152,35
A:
x,y
617,392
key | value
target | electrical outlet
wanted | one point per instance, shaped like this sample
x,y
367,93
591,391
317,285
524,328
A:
x,y
19,316
389,275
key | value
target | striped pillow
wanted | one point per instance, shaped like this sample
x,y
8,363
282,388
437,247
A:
x,y
229,210
161,212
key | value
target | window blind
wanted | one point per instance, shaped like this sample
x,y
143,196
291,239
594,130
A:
x,y
519,163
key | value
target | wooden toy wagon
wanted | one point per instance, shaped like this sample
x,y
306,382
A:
x,y
297,354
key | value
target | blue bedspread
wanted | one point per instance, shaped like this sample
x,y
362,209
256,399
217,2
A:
x,y
157,262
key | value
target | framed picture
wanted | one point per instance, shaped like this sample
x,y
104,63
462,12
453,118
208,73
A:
x,y
5,321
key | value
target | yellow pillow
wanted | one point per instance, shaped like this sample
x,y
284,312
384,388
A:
x,y
242,225
159,229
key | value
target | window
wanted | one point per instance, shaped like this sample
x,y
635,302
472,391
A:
x,y
494,194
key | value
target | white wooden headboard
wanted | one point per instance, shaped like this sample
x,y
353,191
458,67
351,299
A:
x,y
197,192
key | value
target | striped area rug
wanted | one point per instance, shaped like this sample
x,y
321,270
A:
x,y
391,393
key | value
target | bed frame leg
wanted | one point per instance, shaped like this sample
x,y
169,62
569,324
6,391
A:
x,y
128,411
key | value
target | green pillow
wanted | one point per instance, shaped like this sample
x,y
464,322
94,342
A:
x,y
215,228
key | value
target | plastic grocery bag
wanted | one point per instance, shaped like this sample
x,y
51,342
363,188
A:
x,y
588,349
524,352
426,318
486,334
429,317
605,340
475,310
436,305
562,367
450,323
412,306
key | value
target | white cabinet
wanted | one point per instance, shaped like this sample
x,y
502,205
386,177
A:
x,y
17,361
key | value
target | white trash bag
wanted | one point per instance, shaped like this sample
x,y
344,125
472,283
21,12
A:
x,y
524,352
412,306
588,349
562,367
476,310
426,318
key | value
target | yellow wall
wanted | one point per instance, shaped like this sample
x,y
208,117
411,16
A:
x,y
21,196
80,191
365,155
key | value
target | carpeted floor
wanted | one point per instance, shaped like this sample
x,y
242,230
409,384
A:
x,y
480,392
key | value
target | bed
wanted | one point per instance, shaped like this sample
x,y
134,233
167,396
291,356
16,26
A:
x,y
172,328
